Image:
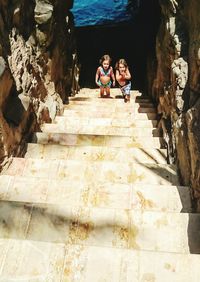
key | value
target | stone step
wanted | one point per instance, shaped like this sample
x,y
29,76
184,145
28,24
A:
x,y
104,264
106,114
141,99
90,128
126,107
96,153
25,260
142,109
104,171
114,228
108,102
115,92
97,140
114,97
93,194
115,122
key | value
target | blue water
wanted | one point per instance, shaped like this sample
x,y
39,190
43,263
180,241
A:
x,y
95,12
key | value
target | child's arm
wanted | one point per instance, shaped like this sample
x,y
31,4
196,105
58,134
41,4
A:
x,y
118,76
113,77
97,77
127,74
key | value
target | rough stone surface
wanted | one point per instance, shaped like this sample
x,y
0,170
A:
x,y
176,87
38,67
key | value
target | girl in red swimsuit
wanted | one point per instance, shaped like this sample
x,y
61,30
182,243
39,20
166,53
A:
x,y
105,76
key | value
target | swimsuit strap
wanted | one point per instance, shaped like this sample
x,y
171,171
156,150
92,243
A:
x,y
104,72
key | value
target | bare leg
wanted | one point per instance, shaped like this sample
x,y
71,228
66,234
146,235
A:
x,y
128,98
101,92
124,96
107,92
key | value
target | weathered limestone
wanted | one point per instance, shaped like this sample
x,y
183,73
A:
x,y
38,67
176,86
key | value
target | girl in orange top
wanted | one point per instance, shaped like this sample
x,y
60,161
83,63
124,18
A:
x,y
123,78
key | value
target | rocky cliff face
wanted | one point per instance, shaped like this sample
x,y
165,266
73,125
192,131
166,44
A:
x,y
38,68
176,87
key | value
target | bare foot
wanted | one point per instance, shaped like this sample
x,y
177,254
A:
x,y
108,96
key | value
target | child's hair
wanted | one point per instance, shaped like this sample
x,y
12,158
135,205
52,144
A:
x,y
121,61
104,58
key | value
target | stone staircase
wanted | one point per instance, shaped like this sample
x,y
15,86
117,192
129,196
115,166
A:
x,y
94,199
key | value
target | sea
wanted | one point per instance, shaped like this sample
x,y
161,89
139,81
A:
x,y
95,12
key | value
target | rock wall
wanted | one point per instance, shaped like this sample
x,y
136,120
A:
x,y
38,67
176,88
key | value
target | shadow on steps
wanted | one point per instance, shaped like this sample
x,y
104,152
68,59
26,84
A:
x,y
110,228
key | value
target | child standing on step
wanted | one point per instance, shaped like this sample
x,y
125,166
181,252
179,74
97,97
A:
x,y
105,76
123,78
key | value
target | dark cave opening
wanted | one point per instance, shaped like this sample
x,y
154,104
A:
x,y
135,41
